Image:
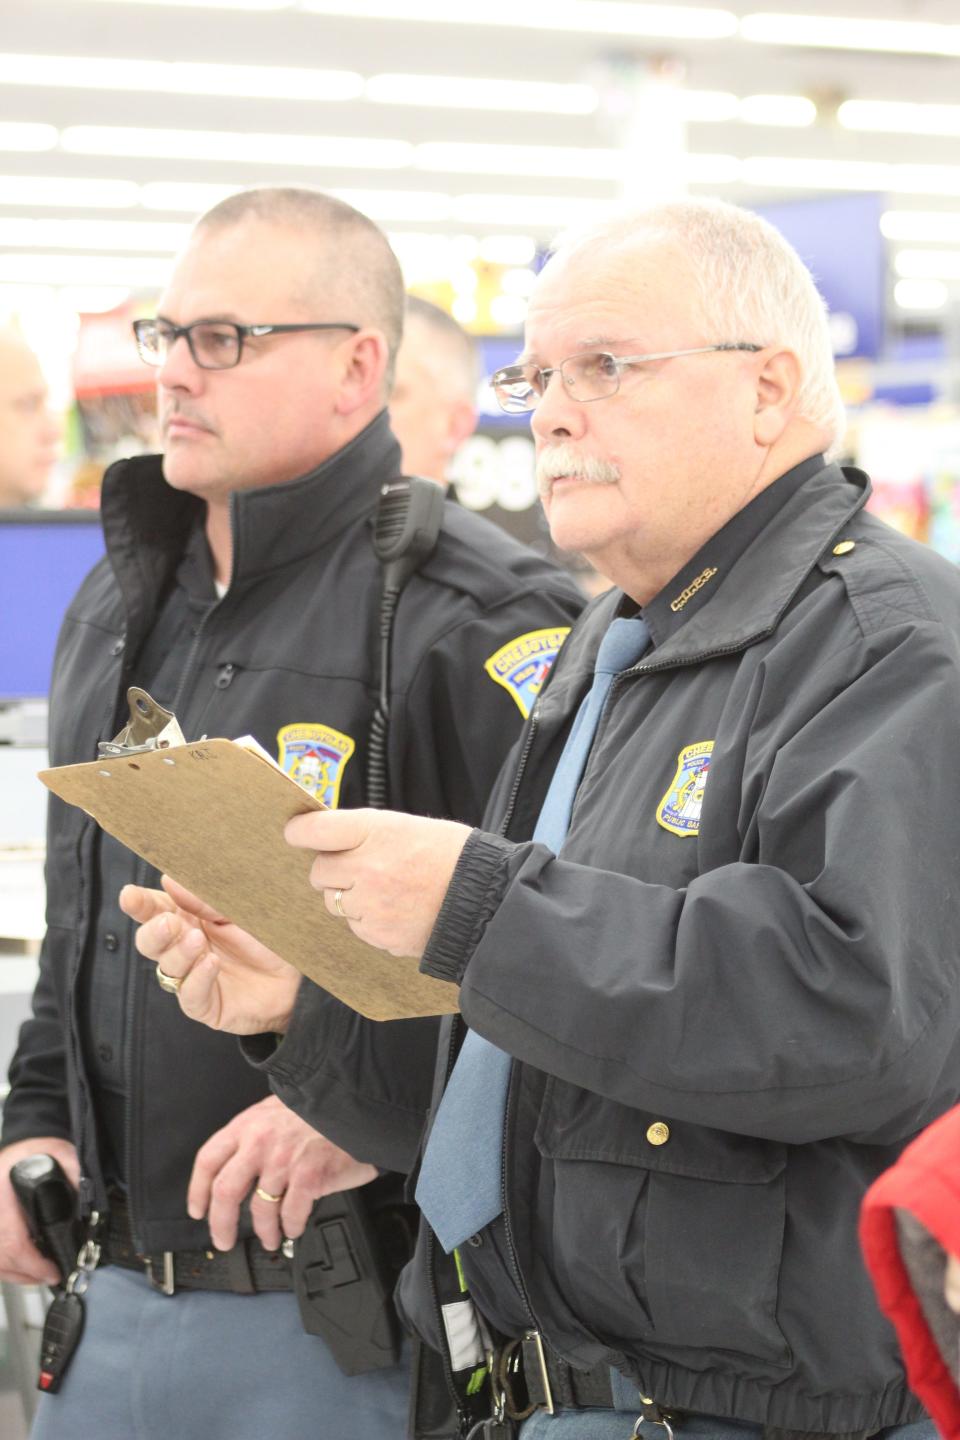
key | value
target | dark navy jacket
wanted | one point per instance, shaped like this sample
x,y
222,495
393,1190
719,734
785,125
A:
x,y
293,642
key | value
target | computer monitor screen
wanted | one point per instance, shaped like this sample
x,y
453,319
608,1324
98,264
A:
x,y
44,554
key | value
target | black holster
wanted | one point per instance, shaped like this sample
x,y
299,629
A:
x,y
345,1266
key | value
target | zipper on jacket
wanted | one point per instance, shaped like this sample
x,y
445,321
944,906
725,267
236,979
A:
x,y
132,1047
87,1196
507,1232
192,656
521,766
444,1352
140,874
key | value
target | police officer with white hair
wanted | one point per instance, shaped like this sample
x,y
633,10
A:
x,y
705,939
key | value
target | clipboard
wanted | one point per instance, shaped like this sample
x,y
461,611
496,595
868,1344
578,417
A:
x,y
211,816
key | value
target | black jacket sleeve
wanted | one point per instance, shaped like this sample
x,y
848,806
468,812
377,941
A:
x,y
37,1103
364,1084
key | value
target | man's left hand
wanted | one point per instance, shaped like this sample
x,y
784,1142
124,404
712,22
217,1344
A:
x,y
268,1146
393,871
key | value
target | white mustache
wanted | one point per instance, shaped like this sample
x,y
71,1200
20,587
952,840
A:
x,y
564,460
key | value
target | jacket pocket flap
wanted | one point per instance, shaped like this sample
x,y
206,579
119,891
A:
x,y
577,1125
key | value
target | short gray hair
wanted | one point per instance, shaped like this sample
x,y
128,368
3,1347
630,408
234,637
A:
x,y
752,287
368,275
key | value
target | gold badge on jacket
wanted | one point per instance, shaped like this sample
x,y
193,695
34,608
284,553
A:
x,y
316,757
522,665
679,810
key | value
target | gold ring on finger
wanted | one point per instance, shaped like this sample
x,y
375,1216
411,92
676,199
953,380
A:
x,y
265,1195
338,904
170,983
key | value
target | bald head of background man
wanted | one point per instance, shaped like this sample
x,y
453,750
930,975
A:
x,y
433,401
28,432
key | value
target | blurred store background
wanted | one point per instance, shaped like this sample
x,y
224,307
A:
x,y
473,133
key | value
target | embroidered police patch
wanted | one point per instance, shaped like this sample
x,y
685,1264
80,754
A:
x,y
679,810
316,757
522,666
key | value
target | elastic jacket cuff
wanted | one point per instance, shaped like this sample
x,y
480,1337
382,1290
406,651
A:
x,y
474,893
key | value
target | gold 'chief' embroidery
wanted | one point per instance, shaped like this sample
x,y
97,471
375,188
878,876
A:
x,y
693,587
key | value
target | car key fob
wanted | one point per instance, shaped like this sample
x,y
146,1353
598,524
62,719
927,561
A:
x,y
61,1336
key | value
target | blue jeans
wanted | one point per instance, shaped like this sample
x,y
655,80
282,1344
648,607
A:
x,y
202,1365
618,1425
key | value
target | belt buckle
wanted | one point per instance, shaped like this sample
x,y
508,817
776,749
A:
x,y
163,1283
537,1339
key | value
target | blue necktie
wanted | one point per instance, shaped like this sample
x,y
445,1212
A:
x,y
459,1189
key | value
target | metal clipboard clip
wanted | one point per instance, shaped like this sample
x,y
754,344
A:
x,y
150,727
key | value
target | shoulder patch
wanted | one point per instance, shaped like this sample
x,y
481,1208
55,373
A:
x,y
316,757
679,810
522,665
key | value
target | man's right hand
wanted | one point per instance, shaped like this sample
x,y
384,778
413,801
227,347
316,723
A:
x,y
20,1260
229,981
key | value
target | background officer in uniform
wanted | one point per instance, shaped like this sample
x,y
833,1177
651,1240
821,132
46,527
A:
x,y
711,991
242,590
29,434
433,405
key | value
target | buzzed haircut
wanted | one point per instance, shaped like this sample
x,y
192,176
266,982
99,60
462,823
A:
x,y
354,257
458,346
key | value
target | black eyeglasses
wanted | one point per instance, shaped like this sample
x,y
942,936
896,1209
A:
x,y
214,344
593,375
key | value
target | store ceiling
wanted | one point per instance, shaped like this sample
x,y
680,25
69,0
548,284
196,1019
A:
x,y
89,131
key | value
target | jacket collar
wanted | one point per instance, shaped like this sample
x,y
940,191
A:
x,y
759,569
147,523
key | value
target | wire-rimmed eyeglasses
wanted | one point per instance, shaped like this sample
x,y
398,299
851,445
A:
x,y
214,344
593,375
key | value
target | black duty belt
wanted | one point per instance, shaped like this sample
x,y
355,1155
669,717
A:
x,y
247,1269
534,1377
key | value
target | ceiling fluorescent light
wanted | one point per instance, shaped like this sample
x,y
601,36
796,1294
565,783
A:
x,y
194,198
801,173
925,179
189,196
73,234
792,110
127,270
928,264
72,194
467,93
390,205
314,150
941,226
705,107
917,37
591,17
710,169
88,72
93,299
920,294
211,4
901,117
17,136
536,212
588,163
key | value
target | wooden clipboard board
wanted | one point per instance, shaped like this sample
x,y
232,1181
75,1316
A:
x,y
211,816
